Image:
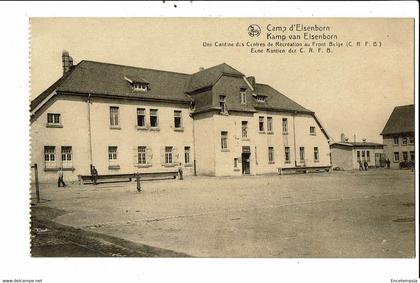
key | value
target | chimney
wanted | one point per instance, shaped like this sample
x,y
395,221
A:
x,y
201,69
251,81
343,137
67,62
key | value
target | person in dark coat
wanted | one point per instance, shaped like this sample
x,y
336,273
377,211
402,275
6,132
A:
x,y
388,164
365,165
94,174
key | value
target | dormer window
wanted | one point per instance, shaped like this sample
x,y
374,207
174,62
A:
x,y
140,86
261,98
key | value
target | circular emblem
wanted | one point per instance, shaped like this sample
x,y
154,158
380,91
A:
x,y
254,30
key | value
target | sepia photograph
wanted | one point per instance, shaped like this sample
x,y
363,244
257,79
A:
x,y
194,141
274,137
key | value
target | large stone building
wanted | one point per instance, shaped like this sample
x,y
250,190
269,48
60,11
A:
x,y
398,136
126,119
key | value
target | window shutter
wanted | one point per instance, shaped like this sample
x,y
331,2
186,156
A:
x,y
175,155
149,155
162,155
135,156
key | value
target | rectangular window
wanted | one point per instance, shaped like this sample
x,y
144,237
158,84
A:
x,y
235,163
316,154
269,124
113,116
396,142
113,155
285,126
177,119
66,157
141,120
261,124
49,157
287,154
405,155
358,155
367,155
363,155
168,154
396,157
404,140
302,154
54,119
244,129
243,95
312,131
187,151
223,140
270,155
412,155
154,118
411,138
141,155
222,103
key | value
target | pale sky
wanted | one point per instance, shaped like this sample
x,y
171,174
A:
x,y
352,90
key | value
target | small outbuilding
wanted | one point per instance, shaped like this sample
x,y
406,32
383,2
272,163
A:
x,y
348,154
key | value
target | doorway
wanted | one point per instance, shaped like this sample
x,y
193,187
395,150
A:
x,y
246,155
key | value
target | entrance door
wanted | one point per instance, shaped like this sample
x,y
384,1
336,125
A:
x,y
246,154
377,159
245,163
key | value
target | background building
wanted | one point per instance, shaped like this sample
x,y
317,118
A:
x,y
347,154
398,136
126,119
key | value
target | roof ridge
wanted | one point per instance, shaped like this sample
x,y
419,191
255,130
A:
x,y
404,106
212,67
134,67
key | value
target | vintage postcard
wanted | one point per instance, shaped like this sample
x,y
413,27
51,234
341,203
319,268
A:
x,y
255,142
228,137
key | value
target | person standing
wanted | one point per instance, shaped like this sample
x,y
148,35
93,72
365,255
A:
x,y
94,174
180,171
366,165
61,178
360,166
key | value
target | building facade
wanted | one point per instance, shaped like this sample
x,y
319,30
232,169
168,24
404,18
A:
x,y
398,136
125,119
347,154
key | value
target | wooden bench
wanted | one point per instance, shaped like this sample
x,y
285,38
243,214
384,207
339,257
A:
x,y
115,178
303,169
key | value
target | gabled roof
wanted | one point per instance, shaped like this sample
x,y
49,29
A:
x,y
400,121
109,79
115,81
276,100
208,77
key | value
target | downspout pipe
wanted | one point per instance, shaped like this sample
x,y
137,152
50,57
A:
x,y
90,131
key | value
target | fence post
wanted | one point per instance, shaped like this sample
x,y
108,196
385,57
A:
x,y
138,182
36,182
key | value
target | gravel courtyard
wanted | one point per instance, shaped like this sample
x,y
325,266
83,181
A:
x,y
338,214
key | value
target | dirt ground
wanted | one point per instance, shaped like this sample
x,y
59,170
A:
x,y
338,214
